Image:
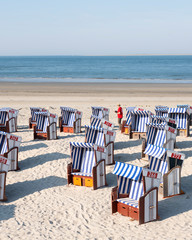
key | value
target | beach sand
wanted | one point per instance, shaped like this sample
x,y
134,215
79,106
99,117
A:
x,y
40,203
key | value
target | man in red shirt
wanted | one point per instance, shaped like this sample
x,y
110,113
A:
x,y
119,115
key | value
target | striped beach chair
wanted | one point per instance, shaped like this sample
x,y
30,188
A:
x,y
8,120
4,167
136,194
181,115
104,138
32,119
135,125
100,112
101,123
70,120
9,148
162,135
169,163
87,167
46,127
161,111
189,108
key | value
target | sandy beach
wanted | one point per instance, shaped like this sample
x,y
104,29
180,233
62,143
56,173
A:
x,y
40,203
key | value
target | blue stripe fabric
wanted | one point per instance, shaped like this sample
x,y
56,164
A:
x,y
183,106
158,164
84,145
71,119
155,151
158,119
138,120
68,116
177,110
128,201
76,156
42,120
127,170
161,111
94,135
3,143
3,117
33,110
124,184
180,117
95,121
83,158
88,161
136,190
160,137
97,111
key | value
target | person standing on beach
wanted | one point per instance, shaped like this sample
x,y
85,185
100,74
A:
x,y
119,115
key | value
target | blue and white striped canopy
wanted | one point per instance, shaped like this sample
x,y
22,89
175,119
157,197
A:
x,y
155,151
127,170
68,109
183,106
177,110
83,145
94,135
95,121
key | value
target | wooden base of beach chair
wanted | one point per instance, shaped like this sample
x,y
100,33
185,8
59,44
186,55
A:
x,y
41,136
31,125
128,211
138,135
183,132
82,181
67,129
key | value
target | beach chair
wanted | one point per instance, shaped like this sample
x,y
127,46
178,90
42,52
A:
x,y
8,120
9,148
70,120
169,163
189,111
87,167
181,115
4,167
161,111
101,123
46,127
32,119
104,138
135,125
100,112
162,135
136,194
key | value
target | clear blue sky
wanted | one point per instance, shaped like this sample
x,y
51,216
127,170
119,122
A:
x,y
95,27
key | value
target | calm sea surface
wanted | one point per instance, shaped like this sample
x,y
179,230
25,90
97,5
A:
x,y
173,69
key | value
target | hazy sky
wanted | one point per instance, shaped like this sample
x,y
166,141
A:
x,y
95,27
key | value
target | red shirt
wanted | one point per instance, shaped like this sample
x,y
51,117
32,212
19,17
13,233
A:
x,y
120,112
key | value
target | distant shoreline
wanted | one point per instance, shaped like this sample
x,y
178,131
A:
x,y
96,89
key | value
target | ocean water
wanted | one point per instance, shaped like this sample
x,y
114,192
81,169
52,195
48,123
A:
x,y
141,69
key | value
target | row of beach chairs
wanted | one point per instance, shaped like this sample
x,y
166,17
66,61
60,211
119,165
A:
x,y
136,194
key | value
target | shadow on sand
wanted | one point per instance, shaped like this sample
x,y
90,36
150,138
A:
x,y
34,146
127,144
22,189
7,212
41,159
